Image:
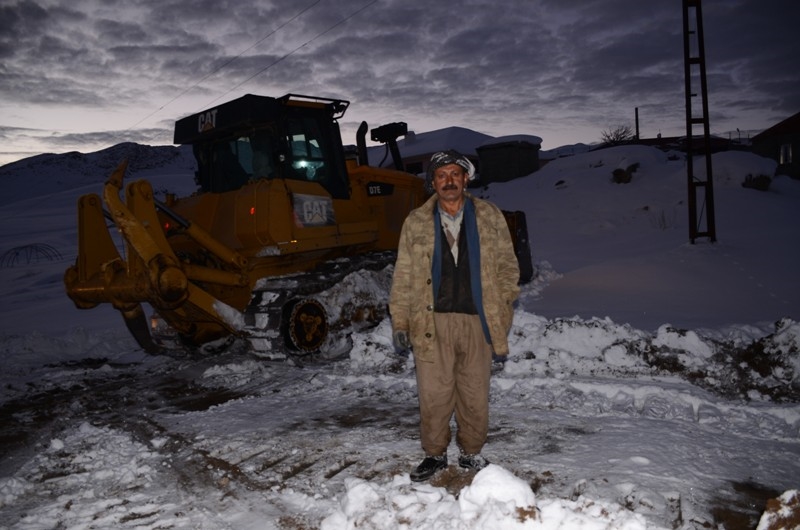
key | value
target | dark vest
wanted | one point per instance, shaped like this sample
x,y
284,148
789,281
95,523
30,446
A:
x,y
455,291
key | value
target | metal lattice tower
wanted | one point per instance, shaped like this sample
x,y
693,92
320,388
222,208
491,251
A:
x,y
701,191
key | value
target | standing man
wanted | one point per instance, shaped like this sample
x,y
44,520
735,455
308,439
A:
x,y
454,284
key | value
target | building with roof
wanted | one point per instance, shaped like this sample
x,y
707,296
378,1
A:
x,y
416,149
781,142
509,157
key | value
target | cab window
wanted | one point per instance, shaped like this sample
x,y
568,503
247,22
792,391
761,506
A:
x,y
230,164
311,156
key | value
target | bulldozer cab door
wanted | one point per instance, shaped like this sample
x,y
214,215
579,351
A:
x,y
315,154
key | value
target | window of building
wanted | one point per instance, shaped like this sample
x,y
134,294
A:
x,y
786,154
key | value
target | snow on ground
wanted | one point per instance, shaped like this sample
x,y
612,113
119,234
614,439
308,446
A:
x,y
652,383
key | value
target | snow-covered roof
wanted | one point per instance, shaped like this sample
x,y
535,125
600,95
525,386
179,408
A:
x,y
465,141
564,150
513,139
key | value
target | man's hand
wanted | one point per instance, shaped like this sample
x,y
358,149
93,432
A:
x,y
401,340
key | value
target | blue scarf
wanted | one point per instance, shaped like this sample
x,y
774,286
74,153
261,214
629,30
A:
x,y
474,252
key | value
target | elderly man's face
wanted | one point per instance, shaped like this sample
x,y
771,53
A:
x,y
449,181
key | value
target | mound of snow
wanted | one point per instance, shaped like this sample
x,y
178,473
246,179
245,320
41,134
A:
x,y
496,500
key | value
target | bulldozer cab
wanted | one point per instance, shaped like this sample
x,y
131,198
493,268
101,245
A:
x,y
257,137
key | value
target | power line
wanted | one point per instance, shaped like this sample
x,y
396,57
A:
x,y
331,28
226,63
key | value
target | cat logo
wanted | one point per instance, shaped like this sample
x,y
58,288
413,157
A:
x,y
313,210
314,213
206,121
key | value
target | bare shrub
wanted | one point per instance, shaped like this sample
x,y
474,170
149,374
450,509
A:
x,y
621,134
757,182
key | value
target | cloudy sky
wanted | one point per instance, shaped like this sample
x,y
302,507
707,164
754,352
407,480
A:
x,y
83,75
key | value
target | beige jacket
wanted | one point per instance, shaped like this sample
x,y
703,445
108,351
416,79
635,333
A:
x,y
411,301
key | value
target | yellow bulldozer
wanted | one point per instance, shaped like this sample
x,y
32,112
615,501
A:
x,y
283,212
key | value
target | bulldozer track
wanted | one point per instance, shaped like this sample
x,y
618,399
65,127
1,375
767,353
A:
x,y
273,300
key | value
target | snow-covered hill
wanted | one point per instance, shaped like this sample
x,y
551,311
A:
x,y
51,173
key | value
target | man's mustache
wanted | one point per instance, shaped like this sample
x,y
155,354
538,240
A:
x,y
449,187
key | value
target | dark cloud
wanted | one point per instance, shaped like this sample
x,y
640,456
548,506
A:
x,y
553,68
15,23
751,66
9,133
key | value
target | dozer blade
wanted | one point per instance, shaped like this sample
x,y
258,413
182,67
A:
x,y
150,255
151,272
85,281
91,280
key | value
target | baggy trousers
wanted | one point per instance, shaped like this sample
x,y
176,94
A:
x,y
457,380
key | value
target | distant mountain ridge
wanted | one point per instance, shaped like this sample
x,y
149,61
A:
x,y
52,173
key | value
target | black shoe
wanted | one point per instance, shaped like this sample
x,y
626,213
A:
x,y
429,466
472,462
